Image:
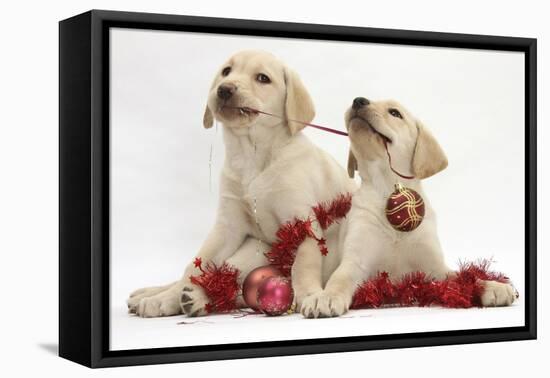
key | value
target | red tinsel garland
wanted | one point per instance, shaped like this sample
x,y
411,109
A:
x,y
220,284
461,290
328,213
291,234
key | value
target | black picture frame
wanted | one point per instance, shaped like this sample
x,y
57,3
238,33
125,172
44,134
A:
x,y
84,187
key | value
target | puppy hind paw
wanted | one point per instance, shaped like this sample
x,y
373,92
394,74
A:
x,y
193,301
137,295
138,292
133,302
132,308
163,304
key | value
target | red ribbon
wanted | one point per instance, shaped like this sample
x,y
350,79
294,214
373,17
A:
x,y
391,167
334,131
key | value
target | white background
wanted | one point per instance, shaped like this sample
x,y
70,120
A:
x,y
162,206
29,194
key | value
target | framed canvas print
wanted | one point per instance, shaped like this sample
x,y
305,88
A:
x,y
236,188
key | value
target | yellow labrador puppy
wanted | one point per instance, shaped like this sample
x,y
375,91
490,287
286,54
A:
x,y
368,243
271,174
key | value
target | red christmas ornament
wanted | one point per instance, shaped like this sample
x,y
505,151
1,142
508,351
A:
x,y
253,282
275,296
405,209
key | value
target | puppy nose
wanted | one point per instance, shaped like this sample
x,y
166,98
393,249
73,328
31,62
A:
x,y
359,102
225,91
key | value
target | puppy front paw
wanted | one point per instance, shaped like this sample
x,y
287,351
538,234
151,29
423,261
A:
x,y
193,301
324,305
165,303
308,306
497,294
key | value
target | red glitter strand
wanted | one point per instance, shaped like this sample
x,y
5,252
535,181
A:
x,y
328,213
289,237
220,284
322,243
291,234
374,292
462,290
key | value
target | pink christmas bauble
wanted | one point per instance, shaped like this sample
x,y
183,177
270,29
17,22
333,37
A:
x,y
275,295
253,282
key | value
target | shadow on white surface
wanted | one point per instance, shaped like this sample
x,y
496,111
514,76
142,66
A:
x,y
52,348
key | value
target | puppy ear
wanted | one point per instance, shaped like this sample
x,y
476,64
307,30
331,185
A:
x,y
428,158
352,164
208,118
298,104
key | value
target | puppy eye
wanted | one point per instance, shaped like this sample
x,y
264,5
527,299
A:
x,y
263,78
226,71
395,113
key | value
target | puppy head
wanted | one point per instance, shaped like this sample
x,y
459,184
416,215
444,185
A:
x,y
257,80
370,124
